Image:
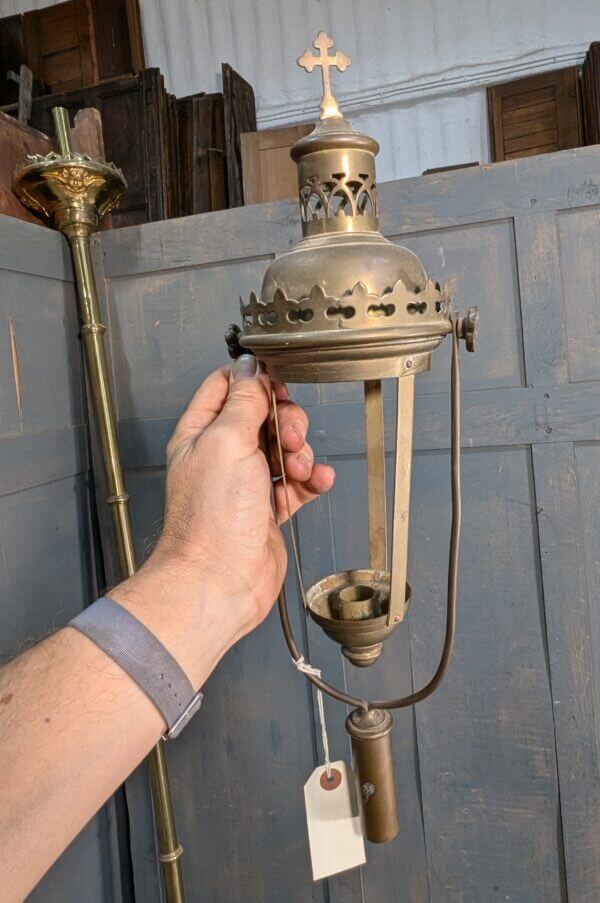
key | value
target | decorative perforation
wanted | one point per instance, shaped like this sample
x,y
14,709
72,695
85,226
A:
x,y
356,309
341,195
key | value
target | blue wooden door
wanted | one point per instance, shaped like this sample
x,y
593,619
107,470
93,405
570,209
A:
x,y
498,773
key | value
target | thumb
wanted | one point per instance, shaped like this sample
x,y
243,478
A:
x,y
247,404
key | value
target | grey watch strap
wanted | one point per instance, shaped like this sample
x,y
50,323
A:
x,y
138,652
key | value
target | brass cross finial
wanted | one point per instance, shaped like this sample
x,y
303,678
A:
x,y
341,61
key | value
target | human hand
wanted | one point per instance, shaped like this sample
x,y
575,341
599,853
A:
x,y
219,524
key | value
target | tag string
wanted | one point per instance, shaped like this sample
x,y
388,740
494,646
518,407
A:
x,y
303,666
300,663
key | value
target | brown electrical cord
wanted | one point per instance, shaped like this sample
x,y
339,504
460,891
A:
x,y
435,681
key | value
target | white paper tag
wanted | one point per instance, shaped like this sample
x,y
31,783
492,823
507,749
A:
x,y
334,828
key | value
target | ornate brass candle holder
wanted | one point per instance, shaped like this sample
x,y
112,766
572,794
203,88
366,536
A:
x,y
347,304
74,191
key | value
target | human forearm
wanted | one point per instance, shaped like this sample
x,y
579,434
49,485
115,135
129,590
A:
x,y
74,725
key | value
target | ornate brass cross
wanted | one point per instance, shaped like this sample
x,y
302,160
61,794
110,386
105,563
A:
x,y
341,61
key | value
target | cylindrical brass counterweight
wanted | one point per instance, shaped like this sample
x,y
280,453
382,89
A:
x,y
374,765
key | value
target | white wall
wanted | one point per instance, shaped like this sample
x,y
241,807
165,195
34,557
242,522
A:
x,y
418,71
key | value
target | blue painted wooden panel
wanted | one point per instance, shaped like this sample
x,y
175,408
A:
x,y
498,774
47,559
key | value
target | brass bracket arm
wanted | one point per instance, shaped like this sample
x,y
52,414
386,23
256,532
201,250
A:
x,y
437,678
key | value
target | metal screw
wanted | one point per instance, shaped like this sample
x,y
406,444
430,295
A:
x,y
367,791
408,365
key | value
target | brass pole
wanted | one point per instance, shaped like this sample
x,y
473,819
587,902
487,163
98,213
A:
x,y
76,191
92,330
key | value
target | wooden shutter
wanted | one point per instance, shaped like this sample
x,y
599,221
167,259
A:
x,y
269,172
590,85
240,116
59,46
11,56
78,43
139,137
202,162
118,37
535,115
16,142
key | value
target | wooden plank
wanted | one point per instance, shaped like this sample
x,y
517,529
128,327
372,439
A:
x,y
553,96
478,761
532,151
543,415
158,333
138,135
540,111
240,116
521,129
332,538
516,94
254,773
49,567
251,169
564,484
590,84
39,252
486,737
577,242
162,247
58,45
468,196
12,55
45,544
533,139
481,267
544,335
202,163
17,141
269,174
50,454
119,48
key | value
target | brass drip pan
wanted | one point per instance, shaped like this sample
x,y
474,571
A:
x,y
351,607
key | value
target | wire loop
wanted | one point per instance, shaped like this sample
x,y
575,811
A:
x,y
314,674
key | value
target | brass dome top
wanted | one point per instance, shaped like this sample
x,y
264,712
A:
x,y
345,303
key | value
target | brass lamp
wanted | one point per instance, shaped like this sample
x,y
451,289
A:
x,y
347,304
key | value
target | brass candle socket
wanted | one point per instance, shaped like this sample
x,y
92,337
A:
x,y
352,608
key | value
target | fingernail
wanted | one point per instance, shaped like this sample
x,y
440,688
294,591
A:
x,y
298,428
305,460
244,367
